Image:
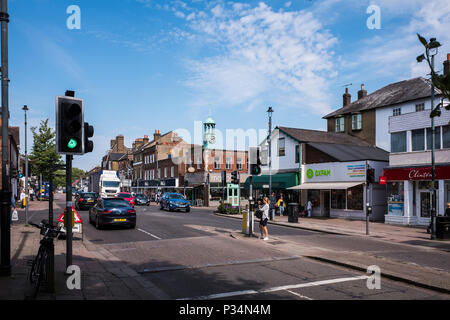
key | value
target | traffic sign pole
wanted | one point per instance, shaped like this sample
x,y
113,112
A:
x,y
68,211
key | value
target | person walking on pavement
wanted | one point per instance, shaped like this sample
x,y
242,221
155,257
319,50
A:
x,y
13,207
22,197
281,205
309,208
31,194
264,207
272,205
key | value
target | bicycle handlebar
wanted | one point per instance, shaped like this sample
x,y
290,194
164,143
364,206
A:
x,y
45,224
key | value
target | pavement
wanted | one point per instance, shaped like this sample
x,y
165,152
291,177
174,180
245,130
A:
x,y
105,276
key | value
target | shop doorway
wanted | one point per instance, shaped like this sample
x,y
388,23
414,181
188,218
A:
x,y
325,203
425,204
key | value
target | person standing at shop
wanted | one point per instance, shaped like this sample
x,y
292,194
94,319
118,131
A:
x,y
309,208
272,205
264,219
281,205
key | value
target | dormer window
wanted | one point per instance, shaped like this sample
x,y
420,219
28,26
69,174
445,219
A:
x,y
339,124
357,122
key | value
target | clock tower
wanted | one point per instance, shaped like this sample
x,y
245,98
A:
x,y
209,135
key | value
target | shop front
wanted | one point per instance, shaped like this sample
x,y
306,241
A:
x,y
410,196
281,182
338,189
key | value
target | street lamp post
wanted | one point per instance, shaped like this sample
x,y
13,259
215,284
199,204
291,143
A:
x,y
269,112
25,109
433,52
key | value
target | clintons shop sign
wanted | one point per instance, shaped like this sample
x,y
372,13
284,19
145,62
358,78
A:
x,y
423,173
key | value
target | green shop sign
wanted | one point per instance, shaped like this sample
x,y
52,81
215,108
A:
x,y
310,173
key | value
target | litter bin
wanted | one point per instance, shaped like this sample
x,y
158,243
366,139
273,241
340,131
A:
x,y
293,212
443,227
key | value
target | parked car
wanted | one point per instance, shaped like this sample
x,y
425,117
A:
x,y
127,196
174,201
142,200
85,200
112,212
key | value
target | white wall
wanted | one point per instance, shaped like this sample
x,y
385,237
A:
x,y
383,136
286,162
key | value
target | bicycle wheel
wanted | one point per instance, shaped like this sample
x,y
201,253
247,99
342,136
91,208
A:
x,y
37,271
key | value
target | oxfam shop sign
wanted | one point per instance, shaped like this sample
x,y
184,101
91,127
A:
x,y
310,173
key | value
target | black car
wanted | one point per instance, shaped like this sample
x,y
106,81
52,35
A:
x,y
112,212
85,200
141,200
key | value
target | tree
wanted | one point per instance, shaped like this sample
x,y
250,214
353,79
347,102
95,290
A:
x,y
441,82
43,153
60,180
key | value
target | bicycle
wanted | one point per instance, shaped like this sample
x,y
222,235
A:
x,y
41,263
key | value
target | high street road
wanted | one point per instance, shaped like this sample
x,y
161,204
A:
x,y
199,255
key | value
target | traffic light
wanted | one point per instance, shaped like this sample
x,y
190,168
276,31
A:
x,y
88,145
370,175
224,178
69,125
255,161
235,177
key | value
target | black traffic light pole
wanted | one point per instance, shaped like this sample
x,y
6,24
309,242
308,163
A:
x,y
5,193
68,215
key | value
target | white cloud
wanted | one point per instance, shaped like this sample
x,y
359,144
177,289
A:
x,y
266,55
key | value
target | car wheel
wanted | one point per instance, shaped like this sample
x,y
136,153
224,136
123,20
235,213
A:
x,y
188,210
133,226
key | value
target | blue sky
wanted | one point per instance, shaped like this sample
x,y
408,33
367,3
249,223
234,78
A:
x,y
142,65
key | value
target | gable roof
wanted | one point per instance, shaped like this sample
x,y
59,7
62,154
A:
x,y
392,94
351,152
304,135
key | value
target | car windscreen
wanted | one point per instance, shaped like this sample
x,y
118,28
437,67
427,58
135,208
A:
x,y
115,203
176,196
124,195
91,195
111,184
141,196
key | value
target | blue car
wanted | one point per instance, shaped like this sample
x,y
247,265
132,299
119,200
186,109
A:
x,y
174,201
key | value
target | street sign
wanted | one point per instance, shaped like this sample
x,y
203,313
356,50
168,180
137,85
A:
x,y
383,180
77,223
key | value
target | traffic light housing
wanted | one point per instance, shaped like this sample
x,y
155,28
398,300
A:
x,y
255,164
370,175
235,177
88,145
69,125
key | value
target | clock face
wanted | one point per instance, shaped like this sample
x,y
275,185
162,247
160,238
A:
x,y
212,139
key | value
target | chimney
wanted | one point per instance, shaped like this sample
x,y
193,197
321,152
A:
x,y
362,93
120,144
146,139
447,65
156,135
113,142
347,98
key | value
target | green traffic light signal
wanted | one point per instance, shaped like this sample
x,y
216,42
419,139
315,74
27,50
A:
x,y
72,144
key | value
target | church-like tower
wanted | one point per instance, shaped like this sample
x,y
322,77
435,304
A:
x,y
209,135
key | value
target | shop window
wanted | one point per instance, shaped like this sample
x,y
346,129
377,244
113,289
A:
x,y
398,141
355,198
338,199
446,136
437,138
314,197
395,193
418,139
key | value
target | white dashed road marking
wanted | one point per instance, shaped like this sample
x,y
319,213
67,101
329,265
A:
x,y
152,235
274,289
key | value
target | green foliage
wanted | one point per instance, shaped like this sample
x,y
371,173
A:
x,y
227,209
441,82
60,178
43,153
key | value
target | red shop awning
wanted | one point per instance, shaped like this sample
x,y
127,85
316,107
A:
x,y
417,173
